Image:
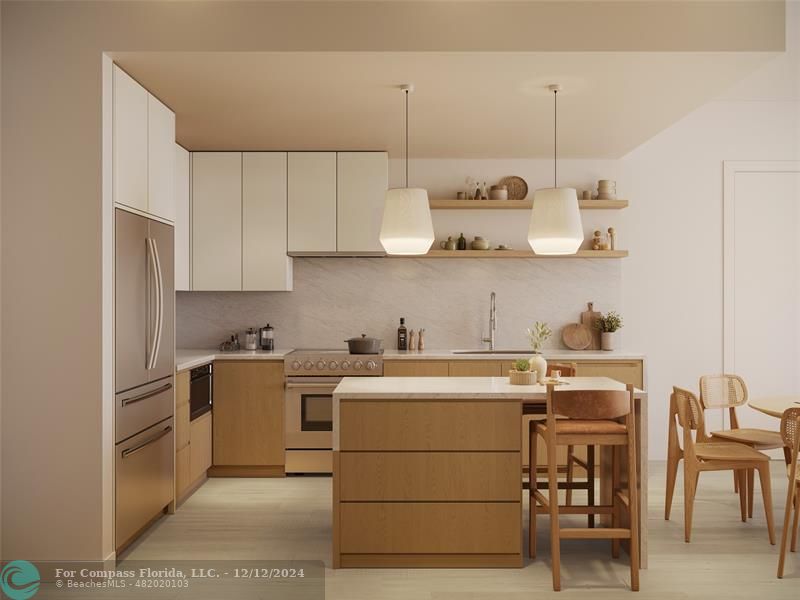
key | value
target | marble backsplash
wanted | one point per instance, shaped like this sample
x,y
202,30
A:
x,y
336,298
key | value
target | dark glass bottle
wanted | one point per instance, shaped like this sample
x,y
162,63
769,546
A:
x,y
402,335
462,242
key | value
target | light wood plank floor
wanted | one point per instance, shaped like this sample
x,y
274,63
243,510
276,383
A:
x,y
290,519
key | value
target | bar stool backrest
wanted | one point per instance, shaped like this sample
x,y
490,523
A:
x,y
590,404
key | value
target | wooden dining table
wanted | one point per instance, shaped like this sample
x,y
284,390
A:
x,y
774,406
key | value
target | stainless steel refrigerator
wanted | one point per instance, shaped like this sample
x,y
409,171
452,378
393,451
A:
x,y
144,301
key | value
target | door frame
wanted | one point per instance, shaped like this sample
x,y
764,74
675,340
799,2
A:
x,y
731,169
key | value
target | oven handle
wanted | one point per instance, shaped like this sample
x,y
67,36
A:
x,y
290,385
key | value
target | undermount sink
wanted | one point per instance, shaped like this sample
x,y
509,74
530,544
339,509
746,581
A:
x,y
484,351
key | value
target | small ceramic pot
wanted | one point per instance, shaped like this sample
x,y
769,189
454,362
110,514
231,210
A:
x,y
479,243
608,340
498,193
538,364
450,244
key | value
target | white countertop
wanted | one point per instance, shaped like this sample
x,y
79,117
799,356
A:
x,y
400,388
189,359
553,354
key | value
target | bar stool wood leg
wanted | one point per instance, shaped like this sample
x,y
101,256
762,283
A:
x,y
570,472
532,488
615,485
633,509
590,477
555,536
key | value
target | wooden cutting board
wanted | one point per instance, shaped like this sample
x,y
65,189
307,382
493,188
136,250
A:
x,y
588,318
576,336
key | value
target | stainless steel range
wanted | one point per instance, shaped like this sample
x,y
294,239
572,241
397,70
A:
x,y
311,377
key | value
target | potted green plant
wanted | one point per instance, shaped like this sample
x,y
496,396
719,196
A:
x,y
608,325
537,336
521,373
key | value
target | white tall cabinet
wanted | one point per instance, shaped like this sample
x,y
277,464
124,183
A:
x,y
265,263
312,202
143,149
216,221
361,182
183,219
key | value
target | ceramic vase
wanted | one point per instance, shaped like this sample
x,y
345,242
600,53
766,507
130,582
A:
x,y
539,364
608,339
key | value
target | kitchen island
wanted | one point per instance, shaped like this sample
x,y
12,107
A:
x,y
428,471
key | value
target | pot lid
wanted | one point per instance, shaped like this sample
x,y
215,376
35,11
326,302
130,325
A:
x,y
363,338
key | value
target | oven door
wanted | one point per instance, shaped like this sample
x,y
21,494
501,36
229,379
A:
x,y
309,412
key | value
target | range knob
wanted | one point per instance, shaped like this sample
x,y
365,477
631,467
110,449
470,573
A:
x,y
357,365
296,365
320,364
308,365
345,365
333,365
371,365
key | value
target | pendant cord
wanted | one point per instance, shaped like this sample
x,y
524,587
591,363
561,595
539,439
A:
x,y
555,138
406,139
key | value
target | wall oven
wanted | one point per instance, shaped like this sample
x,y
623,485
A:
x,y
201,390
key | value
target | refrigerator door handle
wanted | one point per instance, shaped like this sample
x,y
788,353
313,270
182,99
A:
x,y
151,322
159,303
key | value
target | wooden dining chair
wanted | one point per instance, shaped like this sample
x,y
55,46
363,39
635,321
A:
x,y
588,418
729,392
790,433
588,465
703,455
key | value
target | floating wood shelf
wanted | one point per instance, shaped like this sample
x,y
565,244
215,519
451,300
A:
x,y
438,204
517,254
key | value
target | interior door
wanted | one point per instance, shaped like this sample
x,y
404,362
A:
x,y
163,237
762,286
131,301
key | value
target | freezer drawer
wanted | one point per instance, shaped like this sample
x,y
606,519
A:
x,y
144,478
139,408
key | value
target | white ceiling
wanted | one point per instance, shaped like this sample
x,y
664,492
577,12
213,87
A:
x,y
489,104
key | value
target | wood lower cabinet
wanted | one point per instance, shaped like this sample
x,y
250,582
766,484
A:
x,y
475,368
200,446
428,483
248,418
415,368
192,441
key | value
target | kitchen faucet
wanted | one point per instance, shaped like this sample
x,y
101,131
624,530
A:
x,y
492,320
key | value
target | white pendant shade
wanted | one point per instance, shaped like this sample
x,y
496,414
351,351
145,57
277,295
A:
x,y
556,227
407,228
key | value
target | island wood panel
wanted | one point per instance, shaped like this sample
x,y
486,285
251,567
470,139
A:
x,y
429,425
476,368
420,476
248,418
434,528
415,368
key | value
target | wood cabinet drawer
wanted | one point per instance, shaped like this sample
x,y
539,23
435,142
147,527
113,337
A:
x,y
433,528
475,368
404,476
415,368
183,477
624,371
429,425
182,426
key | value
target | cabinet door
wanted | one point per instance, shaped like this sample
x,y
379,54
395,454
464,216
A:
x,y
200,446
248,413
265,264
182,409
312,202
183,475
183,219
361,183
217,221
130,141
160,159
475,368
415,368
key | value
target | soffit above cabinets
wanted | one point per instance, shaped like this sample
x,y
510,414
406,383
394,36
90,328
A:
x,y
466,104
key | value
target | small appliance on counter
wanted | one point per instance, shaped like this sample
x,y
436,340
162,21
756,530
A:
x,y
267,338
231,345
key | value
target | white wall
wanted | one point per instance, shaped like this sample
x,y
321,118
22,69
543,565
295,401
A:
x,y
672,282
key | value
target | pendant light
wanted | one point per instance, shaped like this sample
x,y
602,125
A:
x,y
407,228
556,227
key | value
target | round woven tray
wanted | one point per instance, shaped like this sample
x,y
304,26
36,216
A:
x,y
517,188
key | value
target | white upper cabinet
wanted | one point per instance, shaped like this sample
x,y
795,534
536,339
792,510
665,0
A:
x,y
183,219
160,160
265,264
130,141
362,180
312,202
217,221
144,153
